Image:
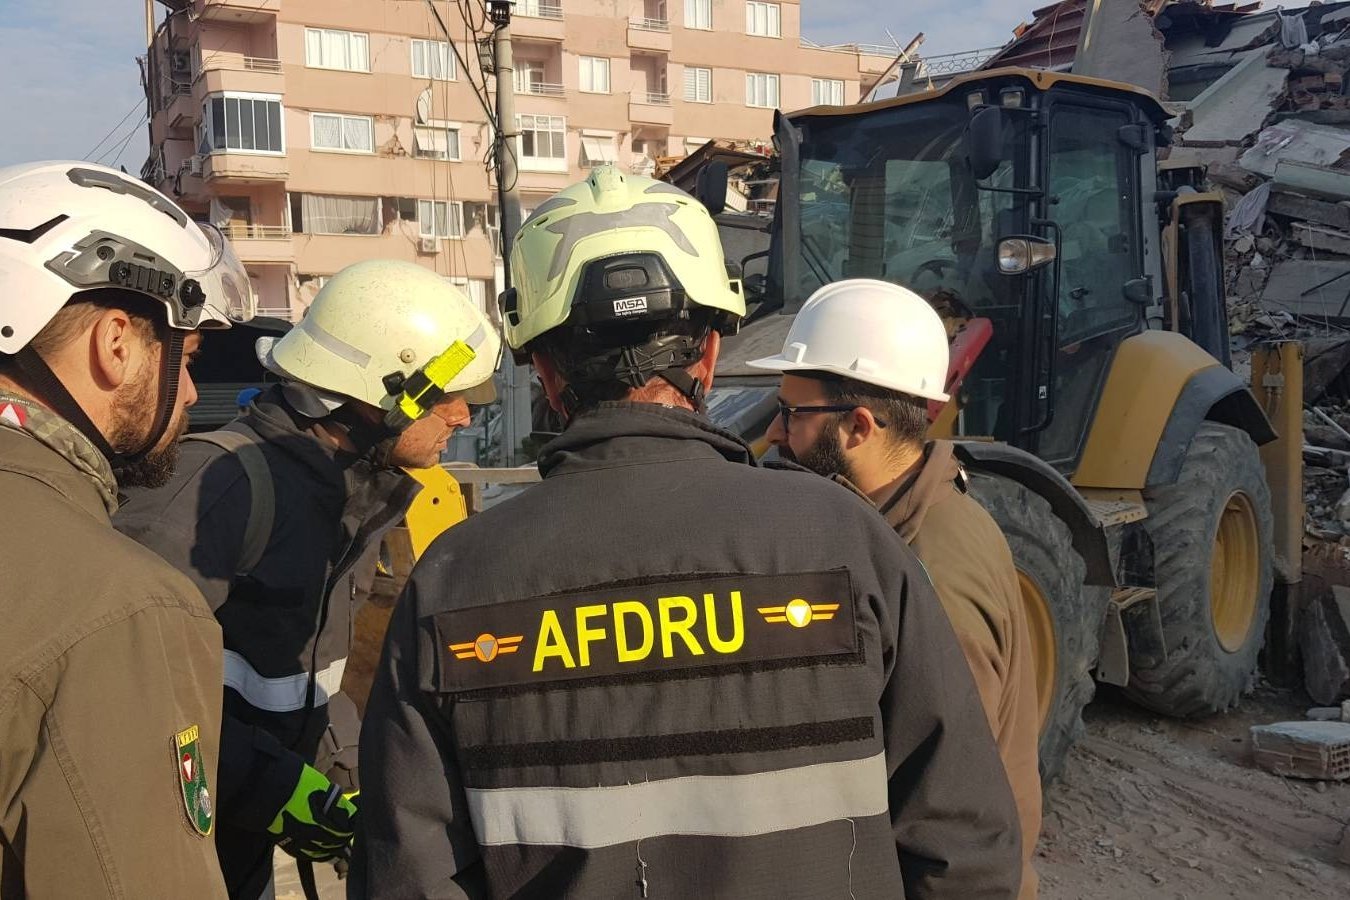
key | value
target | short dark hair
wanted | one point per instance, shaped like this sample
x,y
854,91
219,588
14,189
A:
x,y
148,318
905,415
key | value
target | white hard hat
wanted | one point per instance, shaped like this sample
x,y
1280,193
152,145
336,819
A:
x,y
373,325
870,331
67,227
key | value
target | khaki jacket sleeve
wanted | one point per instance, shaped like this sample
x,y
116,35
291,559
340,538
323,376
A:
x,y
101,809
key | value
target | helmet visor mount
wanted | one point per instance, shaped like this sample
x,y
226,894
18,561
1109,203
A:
x,y
211,297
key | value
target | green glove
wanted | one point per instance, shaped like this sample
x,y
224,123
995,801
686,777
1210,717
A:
x,y
318,822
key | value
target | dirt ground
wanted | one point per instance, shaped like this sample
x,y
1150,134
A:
x,y
1155,808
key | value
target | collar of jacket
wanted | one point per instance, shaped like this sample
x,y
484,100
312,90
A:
x,y
921,486
623,433
64,439
362,488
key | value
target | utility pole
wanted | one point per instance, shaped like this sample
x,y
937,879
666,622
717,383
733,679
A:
x,y
516,413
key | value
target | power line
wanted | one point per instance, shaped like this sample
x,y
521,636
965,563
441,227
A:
x,y
123,149
115,128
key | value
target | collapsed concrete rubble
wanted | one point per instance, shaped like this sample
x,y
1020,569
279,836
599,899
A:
x,y
1263,105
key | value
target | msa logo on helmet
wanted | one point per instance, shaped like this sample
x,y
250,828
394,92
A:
x,y
630,306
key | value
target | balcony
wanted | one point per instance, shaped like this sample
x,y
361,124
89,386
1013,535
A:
x,y
541,89
649,34
236,12
651,108
180,110
260,243
221,71
539,20
244,168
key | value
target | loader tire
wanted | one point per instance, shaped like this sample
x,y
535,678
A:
x,y
1212,550
1064,615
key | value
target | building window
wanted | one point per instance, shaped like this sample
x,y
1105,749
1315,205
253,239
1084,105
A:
x,y
352,134
435,141
475,288
597,149
763,19
595,75
761,90
827,92
543,142
241,122
322,214
345,50
440,218
698,14
433,59
697,84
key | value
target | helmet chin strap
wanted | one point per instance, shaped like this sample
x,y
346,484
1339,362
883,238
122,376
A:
x,y
39,378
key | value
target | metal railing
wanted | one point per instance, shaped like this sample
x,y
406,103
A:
x,y
857,49
650,24
542,89
952,63
652,98
275,312
239,231
239,62
540,10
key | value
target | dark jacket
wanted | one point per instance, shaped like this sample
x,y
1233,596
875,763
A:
x,y
667,671
972,569
107,657
291,615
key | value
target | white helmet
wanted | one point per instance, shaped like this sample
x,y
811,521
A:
x,y
374,326
67,227
870,331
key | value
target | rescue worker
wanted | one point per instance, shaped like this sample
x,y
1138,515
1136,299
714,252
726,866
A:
x,y
861,362
665,671
365,389
109,659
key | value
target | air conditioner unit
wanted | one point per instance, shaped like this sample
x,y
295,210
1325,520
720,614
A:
x,y
194,165
426,245
179,61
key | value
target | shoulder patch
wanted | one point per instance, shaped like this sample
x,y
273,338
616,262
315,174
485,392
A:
x,y
661,625
192,780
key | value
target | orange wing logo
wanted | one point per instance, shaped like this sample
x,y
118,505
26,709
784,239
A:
x,y
487,647
799,613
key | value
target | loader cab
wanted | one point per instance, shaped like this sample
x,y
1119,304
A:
x,y
1014,196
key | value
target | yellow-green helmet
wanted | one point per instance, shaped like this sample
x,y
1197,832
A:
x,y
616,250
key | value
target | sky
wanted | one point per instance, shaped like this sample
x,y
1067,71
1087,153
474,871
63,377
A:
x,y
70,76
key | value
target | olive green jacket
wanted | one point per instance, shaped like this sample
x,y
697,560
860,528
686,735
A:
x,y
110,674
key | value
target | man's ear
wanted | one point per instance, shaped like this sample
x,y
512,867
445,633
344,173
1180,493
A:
x,y
552,380
704,369
860,426
114,343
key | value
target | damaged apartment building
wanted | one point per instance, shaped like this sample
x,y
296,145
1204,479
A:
x,y
320,134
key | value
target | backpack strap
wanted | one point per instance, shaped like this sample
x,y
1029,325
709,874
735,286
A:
x,y
262,507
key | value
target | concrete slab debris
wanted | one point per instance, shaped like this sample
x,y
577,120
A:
x,y
1118,42
1298,142
1203,156
1325,638
1320,182
1238,104
1318,237
1296,206
1316,750
1290,279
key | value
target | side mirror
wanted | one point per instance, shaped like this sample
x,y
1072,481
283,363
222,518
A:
x,y
984,141
711,187
1139,291
1023,253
